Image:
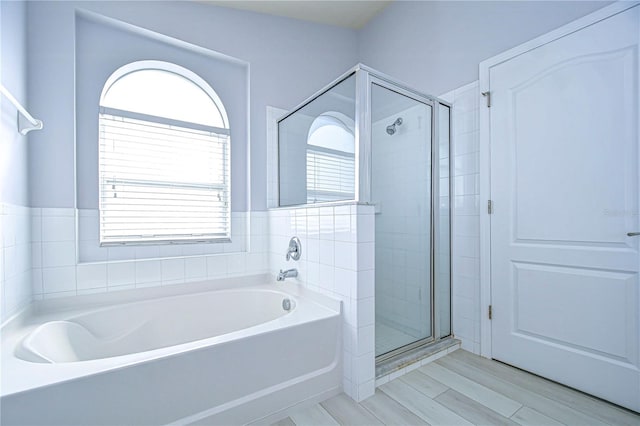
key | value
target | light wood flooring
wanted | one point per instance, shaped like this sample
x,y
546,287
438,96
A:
x,y
465,389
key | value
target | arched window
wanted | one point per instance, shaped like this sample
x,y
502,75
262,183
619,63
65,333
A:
x,y
331,158
164,166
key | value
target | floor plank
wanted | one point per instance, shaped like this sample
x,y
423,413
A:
x,y
529,417
464,389
471,410
348,412
390,411
602,410
425,384
495,401
421,405
284,422
546,406
313,416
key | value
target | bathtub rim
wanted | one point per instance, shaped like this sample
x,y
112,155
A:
x,y
76,318
315,307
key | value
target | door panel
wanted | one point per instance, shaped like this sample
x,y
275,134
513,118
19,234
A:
x,y
564,181
575,155
547,318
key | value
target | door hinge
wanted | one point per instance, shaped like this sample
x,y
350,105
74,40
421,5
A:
x,y
489,206
490,312
488,96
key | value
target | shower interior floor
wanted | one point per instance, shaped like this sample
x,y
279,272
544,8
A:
x,y
389,338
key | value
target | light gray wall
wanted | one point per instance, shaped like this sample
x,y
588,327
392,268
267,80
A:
x,y
433,46
14,180
15,221
436,46
289,60
102,48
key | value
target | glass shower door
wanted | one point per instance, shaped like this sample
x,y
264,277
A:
x,y
401,189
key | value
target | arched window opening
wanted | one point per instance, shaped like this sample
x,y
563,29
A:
x,y
164,157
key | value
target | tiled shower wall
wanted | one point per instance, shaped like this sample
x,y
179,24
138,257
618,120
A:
x,y
401,188
466,216
337,260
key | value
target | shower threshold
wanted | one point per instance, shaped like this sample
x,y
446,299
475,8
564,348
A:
x,y
415,356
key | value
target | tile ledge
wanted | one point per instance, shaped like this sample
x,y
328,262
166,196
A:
x,y
415,358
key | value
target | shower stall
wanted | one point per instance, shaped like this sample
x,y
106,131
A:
x,y
369,139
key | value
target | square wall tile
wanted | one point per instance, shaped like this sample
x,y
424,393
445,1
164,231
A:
x,y
366,390
172,270
236,264
365,228
121,273
195,268
58,253
59,279
364,367
327,252
343,228
58,228
366,312
148,271
366,256
36,281
366,284
36,228
366,340
326,227
216,266
346,281
91,276
326,277
346,255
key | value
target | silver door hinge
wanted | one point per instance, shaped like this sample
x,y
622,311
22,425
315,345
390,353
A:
x,y
490,207
490,312
488,96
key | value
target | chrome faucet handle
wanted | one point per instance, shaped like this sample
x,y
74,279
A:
x,y
294,251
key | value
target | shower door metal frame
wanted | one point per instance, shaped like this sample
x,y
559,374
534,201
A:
x,y
365,79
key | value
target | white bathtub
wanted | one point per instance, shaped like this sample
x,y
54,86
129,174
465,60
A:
x,y
206,353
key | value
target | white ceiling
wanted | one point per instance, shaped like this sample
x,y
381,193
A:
x,y
343,13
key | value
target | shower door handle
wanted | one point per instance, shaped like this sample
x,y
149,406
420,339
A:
x,y
633,234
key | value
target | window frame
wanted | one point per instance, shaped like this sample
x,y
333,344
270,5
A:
x,y
226,131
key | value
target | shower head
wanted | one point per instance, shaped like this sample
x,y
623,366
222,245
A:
x,y
391,129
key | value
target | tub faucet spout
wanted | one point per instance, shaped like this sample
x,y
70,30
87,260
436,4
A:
x,y
289,273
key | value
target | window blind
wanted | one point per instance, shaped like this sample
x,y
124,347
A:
x,y
330,175
161,181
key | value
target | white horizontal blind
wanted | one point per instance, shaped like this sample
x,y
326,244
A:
x,y
162,182
330,175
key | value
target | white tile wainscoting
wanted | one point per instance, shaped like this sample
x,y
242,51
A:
x,y
15,264
60,269
338,258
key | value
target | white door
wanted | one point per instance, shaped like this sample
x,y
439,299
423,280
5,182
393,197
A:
x,y
564,181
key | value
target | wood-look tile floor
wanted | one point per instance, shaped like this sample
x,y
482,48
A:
x,y
465,389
